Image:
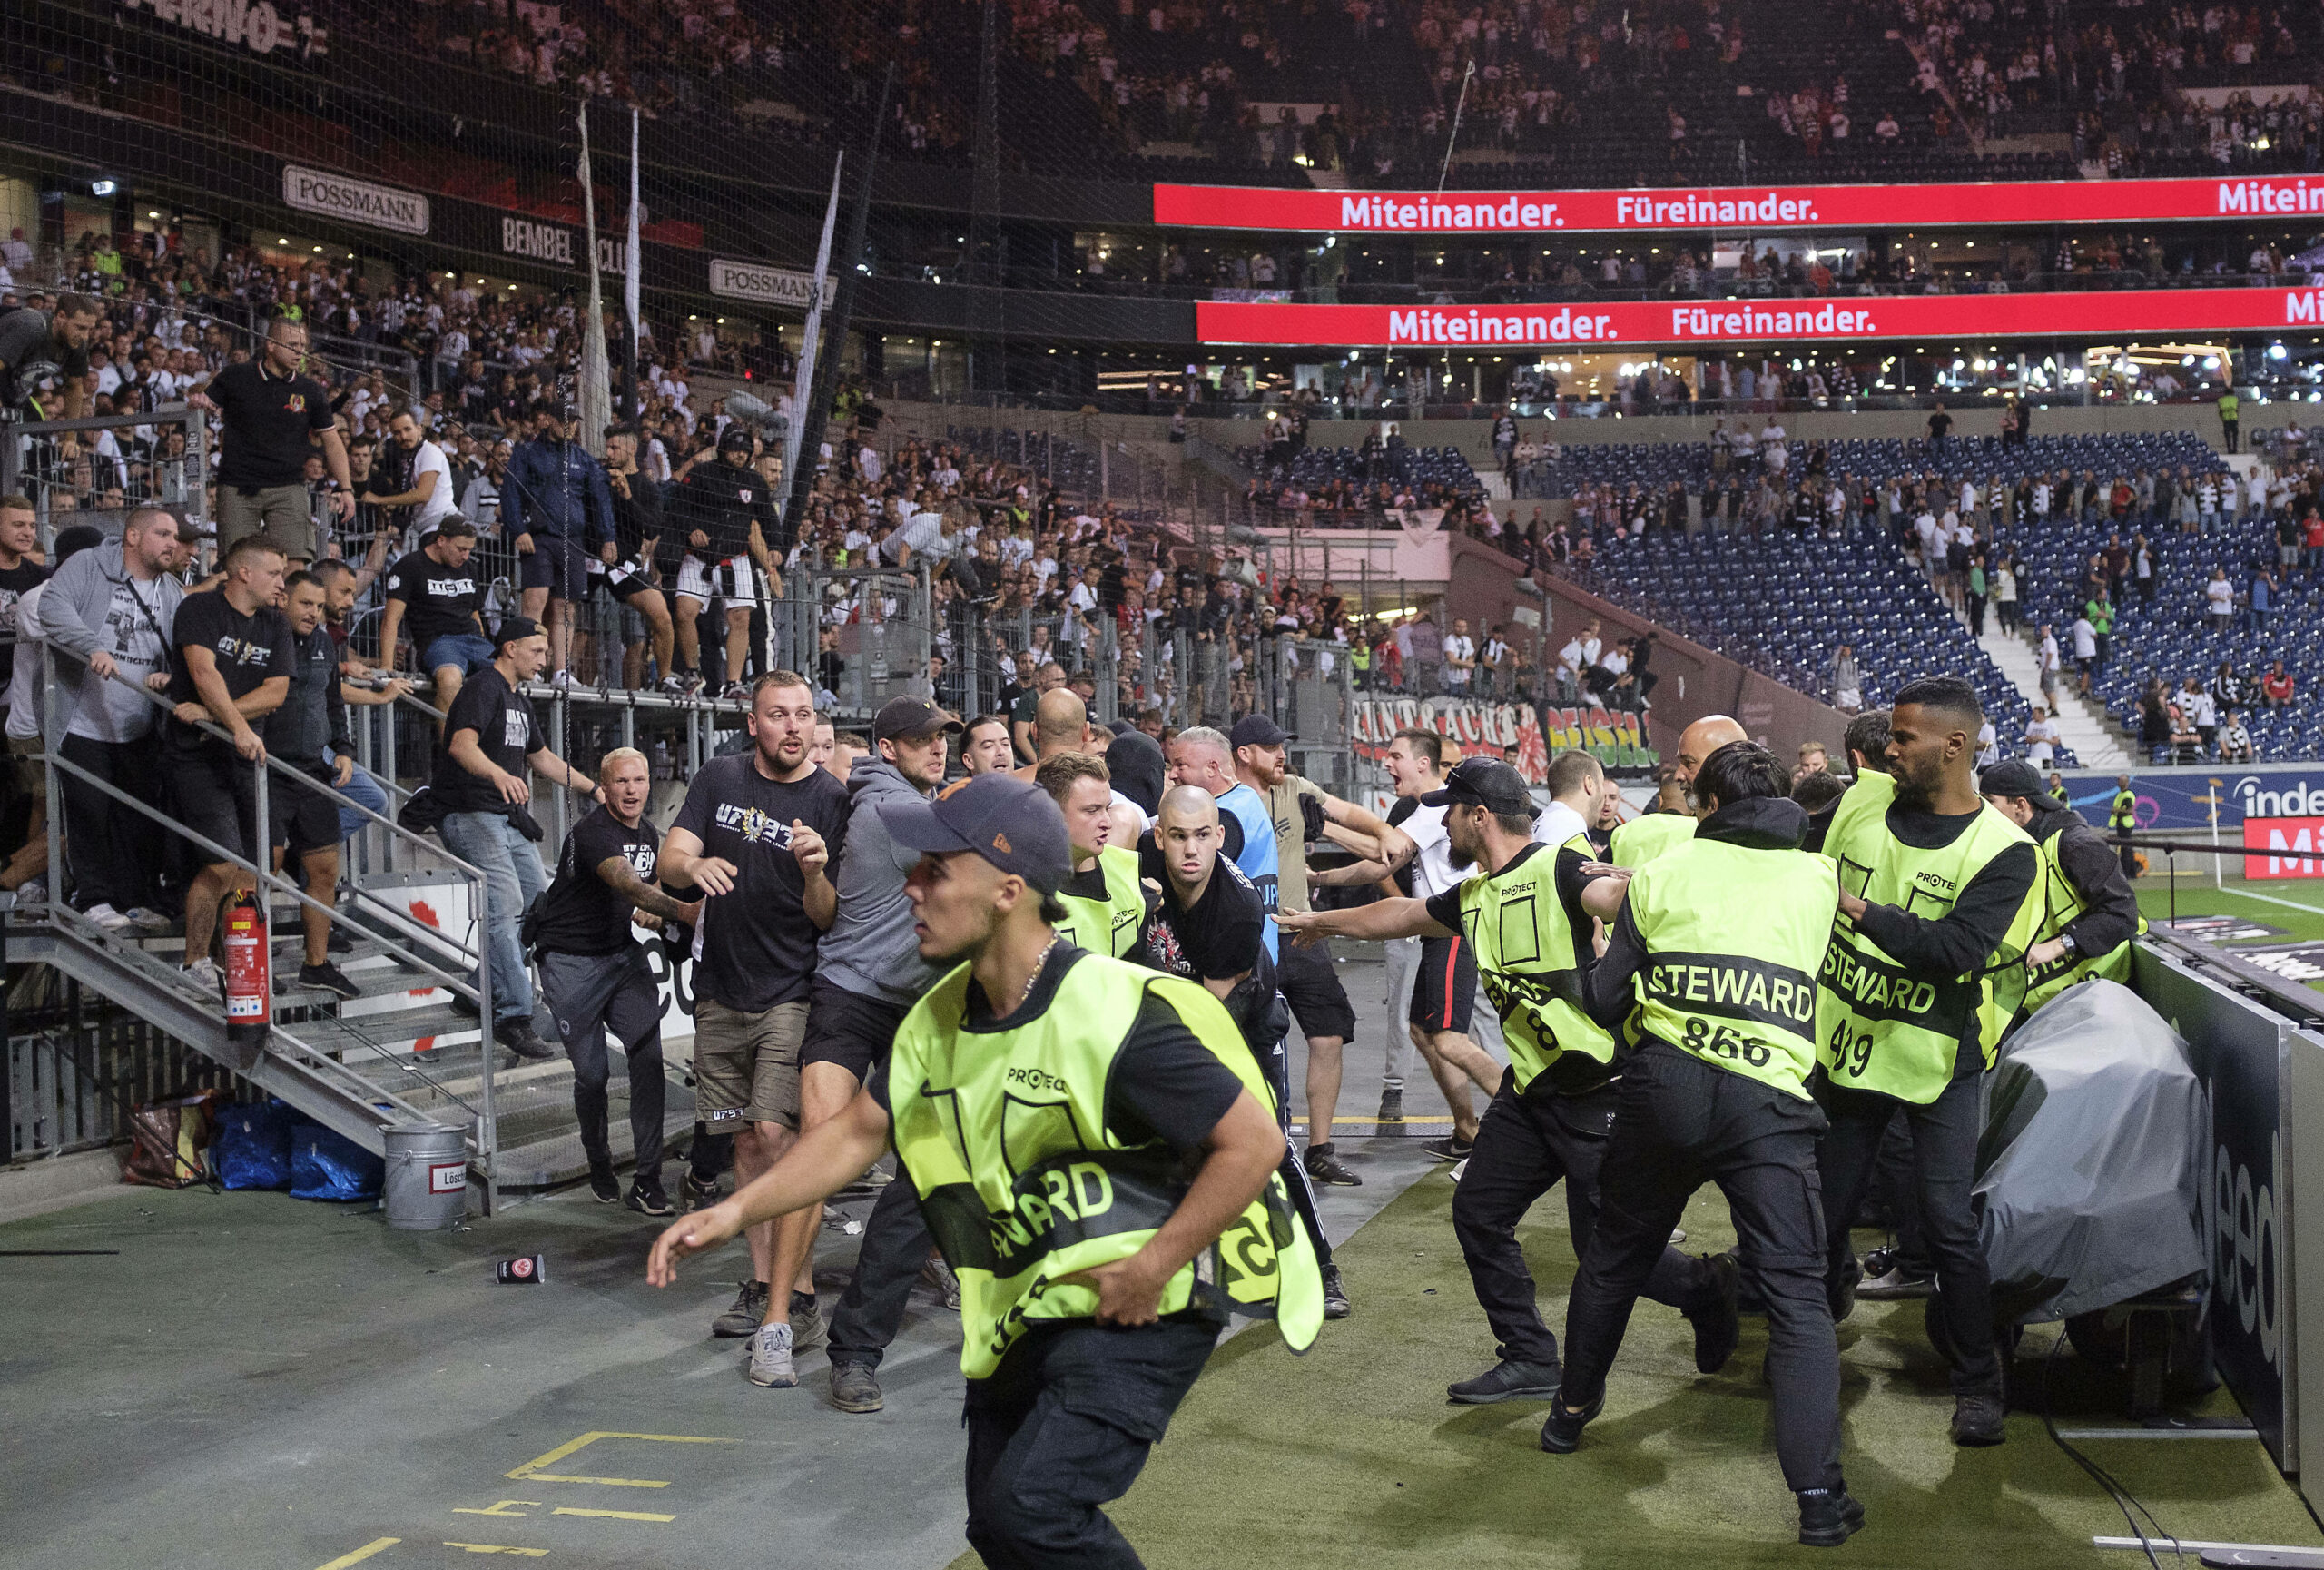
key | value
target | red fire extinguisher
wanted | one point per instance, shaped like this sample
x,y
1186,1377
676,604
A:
x,y
250,979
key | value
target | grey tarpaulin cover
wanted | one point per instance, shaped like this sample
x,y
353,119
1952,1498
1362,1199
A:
x,y
2089,1174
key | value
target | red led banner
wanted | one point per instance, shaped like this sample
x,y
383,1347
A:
x,y
1758,207
1678,324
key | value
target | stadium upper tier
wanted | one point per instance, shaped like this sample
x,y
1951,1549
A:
x,y
475,98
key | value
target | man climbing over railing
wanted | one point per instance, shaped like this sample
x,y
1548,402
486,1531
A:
x,y
308,732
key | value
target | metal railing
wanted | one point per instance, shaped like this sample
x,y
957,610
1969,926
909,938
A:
x,y
474,985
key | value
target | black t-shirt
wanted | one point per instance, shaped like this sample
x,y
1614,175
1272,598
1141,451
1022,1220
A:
x,y
756,947
13,583
439,601
1223,935
267,419
1164,1083
250,650
581,913
506,731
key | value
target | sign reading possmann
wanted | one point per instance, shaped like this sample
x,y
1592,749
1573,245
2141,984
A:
x,y
355,201
766,285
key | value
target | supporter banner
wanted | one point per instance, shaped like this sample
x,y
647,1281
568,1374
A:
x,y
355,201
2042,202
2128,313
259,27
1474,729
2286,845
766,286
1611,735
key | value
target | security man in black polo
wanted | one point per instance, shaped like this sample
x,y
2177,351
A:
x,y
1549,1118
1712,963
1926,968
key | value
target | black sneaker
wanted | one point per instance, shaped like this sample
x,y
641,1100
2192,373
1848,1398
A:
x,y
1562,1429
1506,1380
1717,1324
329,978
646,1198
855,1388
745,1316
1828,1517
1978,1421
464,1006
1335,1303
339,942
1450,1147
701,1194
1391,1107
518,1037
1323,1167
603,1184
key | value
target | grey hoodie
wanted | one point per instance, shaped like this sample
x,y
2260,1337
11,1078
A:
x,y
79,614
869,947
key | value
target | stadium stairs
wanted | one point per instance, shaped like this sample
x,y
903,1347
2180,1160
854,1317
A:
x,y
351,1066
2087,733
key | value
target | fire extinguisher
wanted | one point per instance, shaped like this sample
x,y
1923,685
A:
x,y
250,979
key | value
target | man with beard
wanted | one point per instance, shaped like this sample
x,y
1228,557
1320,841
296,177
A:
x,y
1926,968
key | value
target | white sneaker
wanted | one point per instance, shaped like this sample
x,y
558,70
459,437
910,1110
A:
x,y
770,1358
148,919
562,680
32,892
203,973
106,916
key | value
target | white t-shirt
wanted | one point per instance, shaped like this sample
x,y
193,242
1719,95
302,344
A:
x,y
1988,745
2041,735
2086,638
2220,594
440,503
1433,870
1457,647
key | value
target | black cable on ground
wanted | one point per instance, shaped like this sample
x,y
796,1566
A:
x,y
2124,1500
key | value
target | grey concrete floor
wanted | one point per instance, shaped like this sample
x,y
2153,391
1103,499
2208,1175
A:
x,y
252,1381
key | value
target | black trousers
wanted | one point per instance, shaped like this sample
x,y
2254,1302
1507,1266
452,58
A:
x,y
113,851
1944,1161
1525,1146
1063,1427
895,1246
594,995
1275,1062
1684,1122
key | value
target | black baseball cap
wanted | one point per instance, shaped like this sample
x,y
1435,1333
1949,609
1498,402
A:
x,y
1485,782
515,629
1257,730
2013,777
910,716
736,435
1010,822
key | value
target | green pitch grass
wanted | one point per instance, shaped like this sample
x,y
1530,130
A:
x,y
1350,1457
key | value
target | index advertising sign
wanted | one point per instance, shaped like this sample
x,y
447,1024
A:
x,y
1500,212
2148,313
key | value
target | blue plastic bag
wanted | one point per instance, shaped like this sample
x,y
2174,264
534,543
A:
x,y
253,1146
328,1166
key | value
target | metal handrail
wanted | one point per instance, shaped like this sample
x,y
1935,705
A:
x,y
269,881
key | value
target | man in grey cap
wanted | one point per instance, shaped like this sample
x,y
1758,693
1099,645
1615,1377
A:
x,y
868,975
1078,1236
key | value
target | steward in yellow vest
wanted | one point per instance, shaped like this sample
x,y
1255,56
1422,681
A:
x,y
2122,822
1712,959
2089,913
1925,969
1104,901
1093,1152
1522,911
